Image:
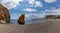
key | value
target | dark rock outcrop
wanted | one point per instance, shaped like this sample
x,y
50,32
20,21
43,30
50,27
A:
x,y
4,14
52,17
49,16
21,19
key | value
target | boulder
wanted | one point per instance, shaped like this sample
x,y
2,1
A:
x,y
21,19
4,14
2,19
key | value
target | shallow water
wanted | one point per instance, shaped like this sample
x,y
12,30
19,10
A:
x,y
14,21
34,21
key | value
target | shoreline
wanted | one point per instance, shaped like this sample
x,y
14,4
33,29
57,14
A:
x,y
51,26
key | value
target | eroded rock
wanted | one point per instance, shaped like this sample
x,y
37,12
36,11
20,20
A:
x,y
4,14
21,19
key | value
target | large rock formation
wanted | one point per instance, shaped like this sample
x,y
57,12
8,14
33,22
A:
x,y
52,17
21,19
49,16
4,14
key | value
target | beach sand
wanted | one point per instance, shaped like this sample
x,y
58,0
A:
x,y
51,26
7,28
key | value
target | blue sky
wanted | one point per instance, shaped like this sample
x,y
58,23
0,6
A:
x,y
38,8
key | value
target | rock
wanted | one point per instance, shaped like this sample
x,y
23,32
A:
x,y
4,14
2,19
58,19
21,19
52,17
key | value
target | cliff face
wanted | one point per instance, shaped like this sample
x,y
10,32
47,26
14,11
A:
x,y
52,17
4,11
21,19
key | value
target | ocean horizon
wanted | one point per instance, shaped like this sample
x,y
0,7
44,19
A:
x,y
15,21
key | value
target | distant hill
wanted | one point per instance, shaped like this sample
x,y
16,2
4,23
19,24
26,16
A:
x,y
52,17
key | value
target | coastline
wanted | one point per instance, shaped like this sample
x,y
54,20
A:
x,y
51,26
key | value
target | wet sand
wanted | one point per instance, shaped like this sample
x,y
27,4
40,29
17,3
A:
x,y
51,26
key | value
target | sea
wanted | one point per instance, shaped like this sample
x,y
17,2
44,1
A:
x,y
15,21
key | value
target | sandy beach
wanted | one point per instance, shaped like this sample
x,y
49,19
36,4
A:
x,y
7,28
51,26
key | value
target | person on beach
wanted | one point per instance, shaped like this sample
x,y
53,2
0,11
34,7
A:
x,y
21,19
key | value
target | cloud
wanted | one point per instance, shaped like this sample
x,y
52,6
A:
x,y
38,3
31,1
57,11
29,9
35,3
54,11
31,16
11,3
50,1
15,16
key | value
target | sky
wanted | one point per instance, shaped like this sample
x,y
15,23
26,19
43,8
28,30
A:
x,y
32,8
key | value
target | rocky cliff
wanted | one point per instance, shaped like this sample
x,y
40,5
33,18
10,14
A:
x,y
5,12
52,17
